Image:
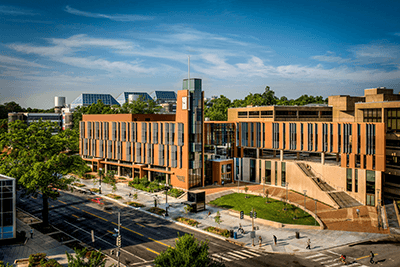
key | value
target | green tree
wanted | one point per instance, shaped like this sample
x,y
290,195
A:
x,y
217,109
96,258
35,156
188,252
139,106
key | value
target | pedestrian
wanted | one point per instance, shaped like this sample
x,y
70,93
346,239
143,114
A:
x,y
275,240
308,244
31,233
130,194
260,241
371,254
209,213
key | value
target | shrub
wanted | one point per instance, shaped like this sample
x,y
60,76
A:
x,y
135,204
218,231
188,221
246,189
175,192
37,259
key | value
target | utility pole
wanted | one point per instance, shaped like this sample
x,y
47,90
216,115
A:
x,y
252,223
166,200
119,237
100,174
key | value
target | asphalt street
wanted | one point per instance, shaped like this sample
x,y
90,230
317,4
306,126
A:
x,y
145,236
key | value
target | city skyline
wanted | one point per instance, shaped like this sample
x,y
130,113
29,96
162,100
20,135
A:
x,y
316,49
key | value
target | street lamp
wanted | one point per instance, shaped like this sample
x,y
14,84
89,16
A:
x,y
305,192
166,199
237,178
315,211
100,174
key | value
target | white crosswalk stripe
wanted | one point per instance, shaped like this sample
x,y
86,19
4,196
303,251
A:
x,y
314,256
329,260
235,255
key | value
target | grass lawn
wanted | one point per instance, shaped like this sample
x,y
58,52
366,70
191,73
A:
x,y
273,211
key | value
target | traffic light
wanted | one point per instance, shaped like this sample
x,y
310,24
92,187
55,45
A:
x,y
251,214
118,241
255,215
241,215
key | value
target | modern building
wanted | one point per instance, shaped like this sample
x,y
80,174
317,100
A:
x,y
344,153
164,96
124,97
29,118
165,146
8,213
88,99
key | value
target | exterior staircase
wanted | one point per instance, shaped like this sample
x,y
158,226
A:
x,y
392,217
341,198
214,196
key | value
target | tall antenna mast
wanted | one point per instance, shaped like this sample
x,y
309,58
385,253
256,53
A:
x,y
188,72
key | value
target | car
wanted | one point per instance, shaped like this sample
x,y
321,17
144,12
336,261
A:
x,y
97,200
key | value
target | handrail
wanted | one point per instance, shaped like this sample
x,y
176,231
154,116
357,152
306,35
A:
x,y
338,188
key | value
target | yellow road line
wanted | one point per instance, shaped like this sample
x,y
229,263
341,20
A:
x,y
131,231
111,232
75,207
365,257
153,251
140,225
127,229
96,216
107,212
75,216
159,242
62,202
33,197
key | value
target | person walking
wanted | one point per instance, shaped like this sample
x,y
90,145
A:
x,y
31,233
275,240
308,244
371,260
260,241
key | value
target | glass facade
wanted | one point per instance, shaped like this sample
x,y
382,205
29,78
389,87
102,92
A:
x,y
8,209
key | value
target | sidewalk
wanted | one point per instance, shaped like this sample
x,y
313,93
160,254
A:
x,y
39,244
287,242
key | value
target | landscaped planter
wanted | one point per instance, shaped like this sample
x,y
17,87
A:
x,y
218,231
187,221
157,211
135,204
114,196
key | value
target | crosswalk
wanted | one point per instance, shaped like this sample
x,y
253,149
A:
x,y
331,260
235,255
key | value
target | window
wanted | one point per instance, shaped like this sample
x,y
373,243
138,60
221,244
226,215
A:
x,y
242,114
370,182
393,119
349,179
276,173
356,180
283,173
372,115
254,114
268,172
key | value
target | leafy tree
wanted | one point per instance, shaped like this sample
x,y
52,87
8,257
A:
x,y
35,156
95,108
3,125
188,251
139,106
217,109
96,258
2,264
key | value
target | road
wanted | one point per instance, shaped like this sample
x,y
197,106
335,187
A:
x,y
143,236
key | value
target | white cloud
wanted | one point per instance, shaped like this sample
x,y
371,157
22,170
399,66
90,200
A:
x,y
331,59
41,50
82,40
15,11
19,62
117,17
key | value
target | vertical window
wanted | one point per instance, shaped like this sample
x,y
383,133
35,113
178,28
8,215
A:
x,y
349,180
276,173
263,134
284,135
331,141
302,136
283,173
268,172
356,180
316,137
358,138
252,134
339,138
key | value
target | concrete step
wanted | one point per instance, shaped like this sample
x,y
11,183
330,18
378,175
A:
x,y
344,200
391,216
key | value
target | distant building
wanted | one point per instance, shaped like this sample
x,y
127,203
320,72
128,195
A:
x,y
124,97
164,96
88,99
8,207
29,118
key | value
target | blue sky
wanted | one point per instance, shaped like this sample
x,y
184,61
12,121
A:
x,y
65,48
